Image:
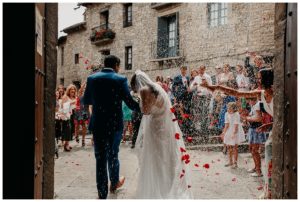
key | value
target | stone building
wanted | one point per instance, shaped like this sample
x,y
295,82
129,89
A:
x,y
160,37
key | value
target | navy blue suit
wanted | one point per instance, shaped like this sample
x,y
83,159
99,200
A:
x,y
105,91
179,89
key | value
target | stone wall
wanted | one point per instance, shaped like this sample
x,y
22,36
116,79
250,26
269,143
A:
x,y
250,27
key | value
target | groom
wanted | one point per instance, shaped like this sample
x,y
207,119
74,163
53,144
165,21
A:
x,y
105,91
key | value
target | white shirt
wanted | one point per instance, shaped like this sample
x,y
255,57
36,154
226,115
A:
x,y
198,80
184,80
242,82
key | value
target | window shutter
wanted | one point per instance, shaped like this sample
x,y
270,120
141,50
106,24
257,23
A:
x,y
177,40
162,37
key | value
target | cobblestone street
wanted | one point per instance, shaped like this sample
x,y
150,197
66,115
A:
x,y
75,175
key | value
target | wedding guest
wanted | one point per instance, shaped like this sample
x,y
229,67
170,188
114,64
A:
x,y
180,92
67,103
255,138
233,133
241,79
81,116
61,90
202,101
226,76
216,77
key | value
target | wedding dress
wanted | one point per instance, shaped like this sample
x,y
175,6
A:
x,y
162,172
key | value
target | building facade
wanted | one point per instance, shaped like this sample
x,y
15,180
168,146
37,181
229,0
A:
x,y
160,37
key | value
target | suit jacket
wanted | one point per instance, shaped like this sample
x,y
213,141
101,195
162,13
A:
x,y
105,91
179,89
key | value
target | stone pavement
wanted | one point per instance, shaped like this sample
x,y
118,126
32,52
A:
x,y
75,175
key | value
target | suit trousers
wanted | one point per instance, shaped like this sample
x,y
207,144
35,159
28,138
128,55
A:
x,y
106,148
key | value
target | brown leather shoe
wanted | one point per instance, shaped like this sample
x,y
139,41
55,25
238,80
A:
x,y
119,184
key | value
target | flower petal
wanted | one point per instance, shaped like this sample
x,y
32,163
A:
x,y
177,136
196,165
189,186
233,179
182,149
189,139
206,166
172,109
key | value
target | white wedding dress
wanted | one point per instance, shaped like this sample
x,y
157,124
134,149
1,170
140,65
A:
x,y
162,173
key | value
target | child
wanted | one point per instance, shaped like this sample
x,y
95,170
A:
x,y
255,138
233,133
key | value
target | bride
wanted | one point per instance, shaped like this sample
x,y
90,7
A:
x,y
163,161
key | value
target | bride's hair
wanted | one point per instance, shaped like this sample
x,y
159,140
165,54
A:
x,y
135,87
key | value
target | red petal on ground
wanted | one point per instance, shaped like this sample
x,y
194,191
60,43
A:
x,y
174,120
233,179
180,121
196,165
206,166
172,109
183,171
217,173
181,175
182,149
260,188
189,139
177,136
187,161
189,186
218,160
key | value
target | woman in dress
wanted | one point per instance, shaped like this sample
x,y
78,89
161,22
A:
x,y
163,161
81,115
68,101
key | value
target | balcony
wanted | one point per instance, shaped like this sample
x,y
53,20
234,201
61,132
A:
x,y
172,57
102,35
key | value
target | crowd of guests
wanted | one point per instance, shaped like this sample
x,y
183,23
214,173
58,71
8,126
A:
x,y
235,104
70,116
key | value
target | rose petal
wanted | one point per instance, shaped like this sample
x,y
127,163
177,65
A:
x,y
182,149
172,109
196,165
187,161
189,139
206,166
183,171
174,119
181,175
189,186
177,136
185,116
233,179
180,121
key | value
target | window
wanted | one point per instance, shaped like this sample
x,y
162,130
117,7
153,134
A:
x,y
128,15
217,14
104,19
76,58
62,55
168,36
128,57
62,81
